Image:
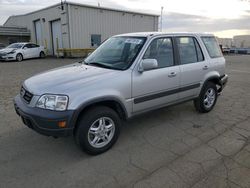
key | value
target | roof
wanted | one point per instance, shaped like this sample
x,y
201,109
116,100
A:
x,y
147,34
23,43
86,5
14,31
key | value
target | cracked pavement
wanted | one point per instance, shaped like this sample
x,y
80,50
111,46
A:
x,y
170,147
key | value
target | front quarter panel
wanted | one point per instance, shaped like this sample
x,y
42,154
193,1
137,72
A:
x,y
117,88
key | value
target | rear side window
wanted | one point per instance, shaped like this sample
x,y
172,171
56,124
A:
x,y
33,45
28,45
200,56
189,50
212,46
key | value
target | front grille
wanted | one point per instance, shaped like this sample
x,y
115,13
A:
x,y
27,96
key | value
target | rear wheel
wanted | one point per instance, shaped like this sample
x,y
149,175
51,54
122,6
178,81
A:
x,y
207,98
19,57
98,130
42,54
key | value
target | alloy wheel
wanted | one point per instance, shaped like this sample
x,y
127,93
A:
x,y
101,132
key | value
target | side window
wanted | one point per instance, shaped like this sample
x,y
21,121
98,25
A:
x,y
162,50
200,55
212,46
189,50
33,45
27,46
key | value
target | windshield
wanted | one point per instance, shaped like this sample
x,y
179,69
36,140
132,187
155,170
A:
x,y
15,45
116,52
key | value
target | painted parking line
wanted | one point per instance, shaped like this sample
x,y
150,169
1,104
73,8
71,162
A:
x,y
241,71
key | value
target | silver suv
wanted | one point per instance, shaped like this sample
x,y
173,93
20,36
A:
x,y
127,75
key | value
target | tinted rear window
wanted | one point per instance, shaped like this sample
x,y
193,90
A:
x,y
212,46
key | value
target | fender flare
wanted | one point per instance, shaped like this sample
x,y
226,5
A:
x,y
98,100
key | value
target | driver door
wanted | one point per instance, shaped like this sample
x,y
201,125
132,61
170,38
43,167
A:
x,y
156,87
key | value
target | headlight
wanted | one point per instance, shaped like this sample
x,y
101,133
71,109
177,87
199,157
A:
x,y
12,52
53,102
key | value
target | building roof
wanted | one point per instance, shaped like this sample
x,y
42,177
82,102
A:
x,y
241,36
112,9
14,31
90,6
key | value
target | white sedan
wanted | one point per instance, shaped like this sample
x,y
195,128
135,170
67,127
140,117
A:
x,y
20,51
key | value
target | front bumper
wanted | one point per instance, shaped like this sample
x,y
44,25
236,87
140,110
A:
x,y
7,57
222,83
45,121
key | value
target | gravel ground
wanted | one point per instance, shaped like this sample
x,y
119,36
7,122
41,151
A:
x,y
171,147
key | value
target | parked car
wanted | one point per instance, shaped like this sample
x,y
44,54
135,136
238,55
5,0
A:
x,y
127,75
20,51
2,46
225,50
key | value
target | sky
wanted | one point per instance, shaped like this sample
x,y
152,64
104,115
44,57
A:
x,y
224,18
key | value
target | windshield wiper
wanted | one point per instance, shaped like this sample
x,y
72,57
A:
x,y
98,64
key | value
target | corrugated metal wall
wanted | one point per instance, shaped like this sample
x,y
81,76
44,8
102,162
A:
x,y
45,17
85,21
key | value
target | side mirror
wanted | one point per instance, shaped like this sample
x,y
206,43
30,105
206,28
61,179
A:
x,y
147,64
25,48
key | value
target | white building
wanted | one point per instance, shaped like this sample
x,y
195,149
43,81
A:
x,y
242,41
75,26
225,42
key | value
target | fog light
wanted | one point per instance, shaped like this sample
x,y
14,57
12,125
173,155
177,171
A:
x,y
62,124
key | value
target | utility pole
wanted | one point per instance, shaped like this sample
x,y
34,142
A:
x,y
161,18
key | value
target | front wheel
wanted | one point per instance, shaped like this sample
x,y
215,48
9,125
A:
x,y
207,98
19,57
98,130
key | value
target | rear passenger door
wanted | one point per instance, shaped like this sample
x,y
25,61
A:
x,y
193,66
34,50
27,51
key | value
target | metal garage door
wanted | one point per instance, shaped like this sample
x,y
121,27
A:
x,y
38,30
56,35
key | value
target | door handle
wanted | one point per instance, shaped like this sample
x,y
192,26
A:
x,y
205,67
172,74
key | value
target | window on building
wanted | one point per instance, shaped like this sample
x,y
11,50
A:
x,y
189,50
95,40
212,46
162,50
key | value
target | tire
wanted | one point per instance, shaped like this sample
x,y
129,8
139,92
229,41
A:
x,y
207,98
19,57
91,134
42,54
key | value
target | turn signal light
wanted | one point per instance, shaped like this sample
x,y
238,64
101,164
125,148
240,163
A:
x,y
62,124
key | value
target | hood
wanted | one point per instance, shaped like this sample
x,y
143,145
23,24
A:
x,y
7,50
66,79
